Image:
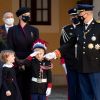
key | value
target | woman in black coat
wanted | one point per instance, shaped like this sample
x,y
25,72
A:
x,y
20,39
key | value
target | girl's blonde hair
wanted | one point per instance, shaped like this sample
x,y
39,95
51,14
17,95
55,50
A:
x,y
5,54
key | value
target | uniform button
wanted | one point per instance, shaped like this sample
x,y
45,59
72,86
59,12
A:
x,y
96,58
83,47
83,52
84,42
12,79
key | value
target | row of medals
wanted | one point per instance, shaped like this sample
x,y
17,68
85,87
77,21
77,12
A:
x,y
91,45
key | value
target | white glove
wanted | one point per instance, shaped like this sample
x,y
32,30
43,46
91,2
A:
x,y
8,93
50,56
48,91
34,53
65,69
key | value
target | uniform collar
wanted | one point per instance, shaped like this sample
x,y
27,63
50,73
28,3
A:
x,y
74,26
89,22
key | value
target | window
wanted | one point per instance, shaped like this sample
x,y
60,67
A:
x,y
40,11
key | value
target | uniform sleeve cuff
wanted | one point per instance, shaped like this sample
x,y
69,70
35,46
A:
x,y
62,61
49,85
29,58
57,52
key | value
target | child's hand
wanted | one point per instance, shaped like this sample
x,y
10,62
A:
x,y
34,53
50,56
8,93
48,91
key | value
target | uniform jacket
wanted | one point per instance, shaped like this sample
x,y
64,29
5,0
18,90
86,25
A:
x,y
35,67
70,57
20,40
88,47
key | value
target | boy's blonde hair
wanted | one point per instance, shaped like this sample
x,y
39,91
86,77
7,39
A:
x,y
5,54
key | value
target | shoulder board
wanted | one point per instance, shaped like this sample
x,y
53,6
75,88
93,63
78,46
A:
x,y
64,26
98,21
67,26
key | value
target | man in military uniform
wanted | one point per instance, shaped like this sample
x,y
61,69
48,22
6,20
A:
x,y
88,41
89,54
70,58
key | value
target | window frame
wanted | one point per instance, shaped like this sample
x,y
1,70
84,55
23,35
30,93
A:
x,y
34,11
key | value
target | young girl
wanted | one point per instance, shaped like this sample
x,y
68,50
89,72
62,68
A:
x,y
9,89
41,77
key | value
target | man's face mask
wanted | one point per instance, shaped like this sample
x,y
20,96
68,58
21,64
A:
x,y
75,21
26,18
81,19
9,21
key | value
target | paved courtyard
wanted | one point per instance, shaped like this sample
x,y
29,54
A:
x,y
58,93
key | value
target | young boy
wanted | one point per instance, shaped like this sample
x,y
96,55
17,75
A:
x,y
41,76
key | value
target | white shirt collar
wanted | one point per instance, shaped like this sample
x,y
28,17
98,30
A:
x,y
74,26
89,22
8,65
7,27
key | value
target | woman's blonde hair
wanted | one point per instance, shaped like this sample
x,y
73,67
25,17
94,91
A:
x,y
5,54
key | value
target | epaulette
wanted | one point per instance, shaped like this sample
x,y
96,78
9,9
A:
x,y
67,26
64,26
98,21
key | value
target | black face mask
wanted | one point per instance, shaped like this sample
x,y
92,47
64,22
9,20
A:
x,y
26,18
81,19
75,21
